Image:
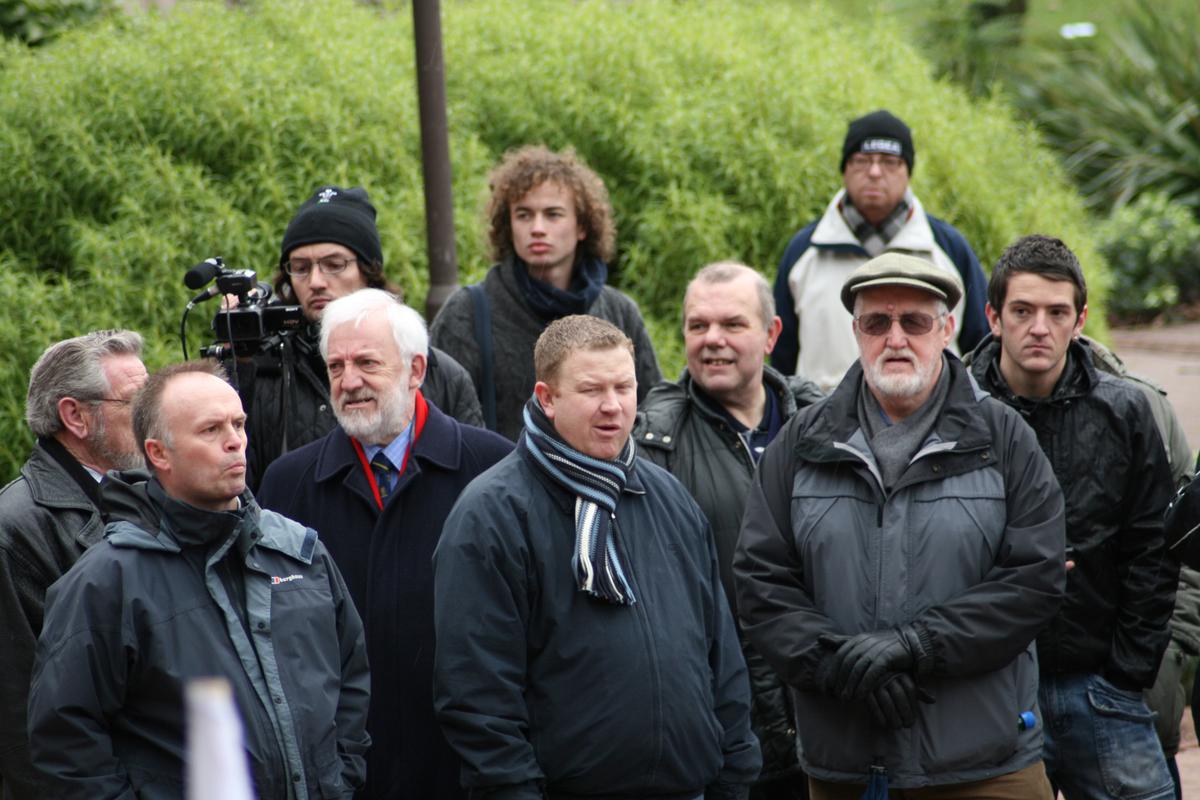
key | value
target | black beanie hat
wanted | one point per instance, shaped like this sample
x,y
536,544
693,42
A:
x,y
341,216
879,132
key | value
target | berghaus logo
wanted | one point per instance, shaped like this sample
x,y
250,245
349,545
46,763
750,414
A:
x,y
276,579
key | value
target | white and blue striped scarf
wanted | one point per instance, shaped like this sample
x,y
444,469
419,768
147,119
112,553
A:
x,y
597,485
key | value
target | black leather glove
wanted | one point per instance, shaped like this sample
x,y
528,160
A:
x,y
825,674
864,662
894,702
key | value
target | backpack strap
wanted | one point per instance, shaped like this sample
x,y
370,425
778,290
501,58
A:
x,y
483,337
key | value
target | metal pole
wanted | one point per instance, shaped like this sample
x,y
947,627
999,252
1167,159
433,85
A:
x,y
435,155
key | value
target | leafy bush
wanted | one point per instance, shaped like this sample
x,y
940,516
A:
x,y
37,21
132,152
1153,248
1124,109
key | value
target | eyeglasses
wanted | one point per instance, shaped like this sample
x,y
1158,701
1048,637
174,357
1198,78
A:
x,y
329,265
914,323
861,162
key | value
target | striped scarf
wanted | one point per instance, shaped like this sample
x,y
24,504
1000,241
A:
x,y
597,485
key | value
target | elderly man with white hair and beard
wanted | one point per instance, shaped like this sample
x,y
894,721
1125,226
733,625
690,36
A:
x,y
902,547
378,489
80,391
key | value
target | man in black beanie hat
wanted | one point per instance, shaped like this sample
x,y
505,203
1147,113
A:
x,y
875,212
330,249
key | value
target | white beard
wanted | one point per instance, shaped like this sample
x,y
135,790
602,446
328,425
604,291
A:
x,y
391,414
899,385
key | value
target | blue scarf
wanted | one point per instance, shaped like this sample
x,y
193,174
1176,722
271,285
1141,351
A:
x,y
549,302
597,485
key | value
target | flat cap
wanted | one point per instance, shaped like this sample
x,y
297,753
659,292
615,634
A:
x,y
897,269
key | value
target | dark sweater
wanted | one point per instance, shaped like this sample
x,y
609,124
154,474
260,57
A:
x,y
515,330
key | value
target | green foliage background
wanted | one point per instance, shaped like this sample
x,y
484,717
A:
x,y
131,151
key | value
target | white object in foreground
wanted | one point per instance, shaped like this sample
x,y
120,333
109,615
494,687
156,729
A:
x,y
216,754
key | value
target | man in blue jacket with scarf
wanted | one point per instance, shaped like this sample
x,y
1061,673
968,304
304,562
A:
x,y
584,645
378,488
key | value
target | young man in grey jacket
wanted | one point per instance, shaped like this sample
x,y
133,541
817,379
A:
x,y
901,548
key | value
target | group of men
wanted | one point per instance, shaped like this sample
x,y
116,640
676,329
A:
x,y
892,568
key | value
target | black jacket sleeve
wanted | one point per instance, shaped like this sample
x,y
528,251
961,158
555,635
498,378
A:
x,y
1148,574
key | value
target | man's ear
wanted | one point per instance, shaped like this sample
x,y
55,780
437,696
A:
x,y
419,366
545,397
773,331
993,318
156,455
1079,322
75,417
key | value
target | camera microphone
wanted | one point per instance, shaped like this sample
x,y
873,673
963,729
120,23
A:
x,y
202,273
207,294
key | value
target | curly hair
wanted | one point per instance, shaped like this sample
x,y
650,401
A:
x,y
522,170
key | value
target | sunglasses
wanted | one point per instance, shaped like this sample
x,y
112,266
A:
x,y
914,323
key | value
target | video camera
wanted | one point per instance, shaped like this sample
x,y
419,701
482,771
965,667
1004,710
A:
x,y
253,325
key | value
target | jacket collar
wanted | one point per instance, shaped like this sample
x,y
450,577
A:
x,y
832,231
564,499
1078,378
439,445
837,421
57,480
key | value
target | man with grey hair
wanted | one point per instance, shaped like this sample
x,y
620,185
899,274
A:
x,y
901,549
709,429
378,489
194,580
78,403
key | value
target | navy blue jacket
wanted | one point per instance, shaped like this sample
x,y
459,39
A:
x,y
385,559
546,691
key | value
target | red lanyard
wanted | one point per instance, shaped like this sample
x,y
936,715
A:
x,y
421,411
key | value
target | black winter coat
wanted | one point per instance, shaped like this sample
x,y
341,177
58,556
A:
x,y
385,558
309,414
1104,447
547,692
681,433
48,517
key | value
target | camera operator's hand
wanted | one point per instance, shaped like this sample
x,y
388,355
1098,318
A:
x,y
865,661
894,702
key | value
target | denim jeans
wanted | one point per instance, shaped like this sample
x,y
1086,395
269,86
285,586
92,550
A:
x,y
1100,742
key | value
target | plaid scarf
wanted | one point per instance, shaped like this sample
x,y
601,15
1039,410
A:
x,y
875,238
597,485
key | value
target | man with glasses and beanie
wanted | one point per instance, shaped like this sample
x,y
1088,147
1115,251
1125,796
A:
x,y
875,212
901,549
79,408
330,248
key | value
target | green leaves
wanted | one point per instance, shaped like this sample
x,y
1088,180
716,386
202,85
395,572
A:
x,y
133,150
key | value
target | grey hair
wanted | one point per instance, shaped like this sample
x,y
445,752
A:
x,y
73,368
408,329
728,271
